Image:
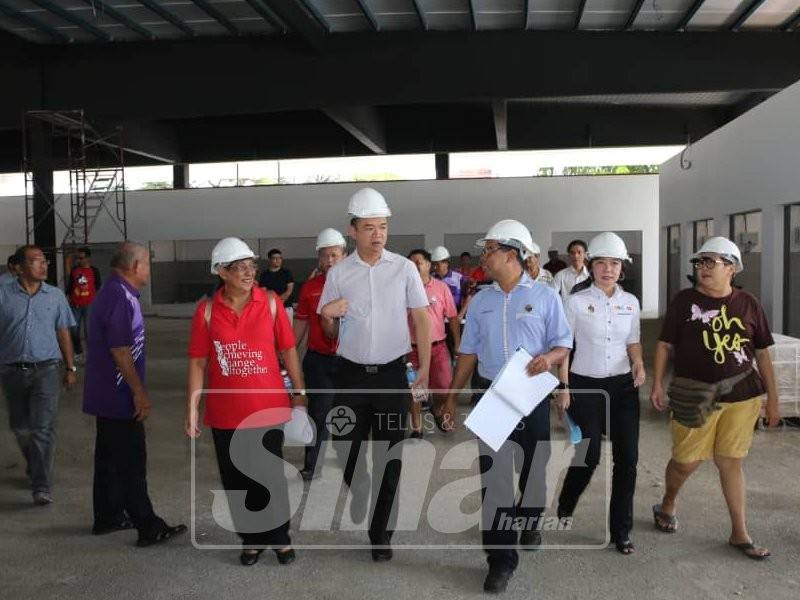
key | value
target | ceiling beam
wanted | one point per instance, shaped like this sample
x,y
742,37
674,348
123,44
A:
x,y
634,13
27,19
266,13
369,15
304,20
746,14
579,14
689,15
121,18
472,16
71,17
423,20
364,123
168,16
215,14
500,113
792,22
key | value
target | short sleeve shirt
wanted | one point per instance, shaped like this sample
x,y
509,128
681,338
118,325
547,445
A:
x,y
716,338
307,306
531,316
28,324
603,327
115,321
374,329
440,306
244,380
277,281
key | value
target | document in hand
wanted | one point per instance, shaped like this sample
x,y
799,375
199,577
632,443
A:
x,y
512,396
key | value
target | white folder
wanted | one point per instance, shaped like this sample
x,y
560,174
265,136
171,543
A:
x,y
512,396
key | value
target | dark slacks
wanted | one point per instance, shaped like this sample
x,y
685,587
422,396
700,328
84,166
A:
x,y
319,370
120,476
33,395
257,497
505,510
384,416
589,412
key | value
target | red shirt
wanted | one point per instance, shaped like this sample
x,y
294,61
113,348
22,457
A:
x,y
241,353
478,275
83,287
440,305
307,311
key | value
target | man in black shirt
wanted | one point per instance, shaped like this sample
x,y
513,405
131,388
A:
x,y
276,278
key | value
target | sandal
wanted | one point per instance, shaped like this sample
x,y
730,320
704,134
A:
x,y
248,559
747,549
437,418
664,523
625,547
162,535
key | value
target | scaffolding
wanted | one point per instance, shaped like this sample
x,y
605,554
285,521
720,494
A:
x,y
95,163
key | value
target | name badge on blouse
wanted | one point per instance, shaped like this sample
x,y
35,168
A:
x,y
626,309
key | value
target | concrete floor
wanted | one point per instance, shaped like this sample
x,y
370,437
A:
x,y
49,553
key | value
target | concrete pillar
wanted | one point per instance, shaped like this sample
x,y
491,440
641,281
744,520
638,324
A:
x,y
40,153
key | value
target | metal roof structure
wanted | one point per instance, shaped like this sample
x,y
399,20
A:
x,y
214,80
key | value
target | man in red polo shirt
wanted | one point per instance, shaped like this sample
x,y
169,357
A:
x,y
320,361
441,306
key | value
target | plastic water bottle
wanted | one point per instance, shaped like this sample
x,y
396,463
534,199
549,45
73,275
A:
x,y
287,381
575,434
411,377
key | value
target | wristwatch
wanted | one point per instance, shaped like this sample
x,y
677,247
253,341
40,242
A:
x,y
562,386
73,368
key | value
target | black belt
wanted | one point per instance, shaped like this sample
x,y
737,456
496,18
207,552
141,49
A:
x,y
372,369
28,366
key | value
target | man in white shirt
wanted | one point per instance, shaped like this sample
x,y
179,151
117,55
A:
x,y
534,268
575,272
365,302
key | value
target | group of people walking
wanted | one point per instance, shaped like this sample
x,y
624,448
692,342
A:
x,y
366,316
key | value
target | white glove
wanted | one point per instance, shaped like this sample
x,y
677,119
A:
x,y
299,430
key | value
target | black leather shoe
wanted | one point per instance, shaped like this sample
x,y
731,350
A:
x,y
307,474
496,581
249,558
530,540
382,554
286,557
416,434
164,534
104,529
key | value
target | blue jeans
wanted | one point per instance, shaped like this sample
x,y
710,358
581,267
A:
x,y
32,396
81,315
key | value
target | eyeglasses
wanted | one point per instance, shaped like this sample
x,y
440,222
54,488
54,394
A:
x,y
243,267
706,262
486,250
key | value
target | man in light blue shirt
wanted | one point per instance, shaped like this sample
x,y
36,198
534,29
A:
x,y
35,322
513,312
12,272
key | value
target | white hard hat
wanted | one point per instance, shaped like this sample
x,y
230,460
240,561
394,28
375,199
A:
x,y
608,245
725,248
509,233
330,237
227,251
535,248
440,253
367,203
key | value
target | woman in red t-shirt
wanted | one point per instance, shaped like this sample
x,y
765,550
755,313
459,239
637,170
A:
x,y
236,337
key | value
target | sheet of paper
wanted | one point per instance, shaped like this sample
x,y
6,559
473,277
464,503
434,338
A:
x,y
513,395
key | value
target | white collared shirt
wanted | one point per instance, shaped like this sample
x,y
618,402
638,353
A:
x,y
603,328
545,277
374,329
567,278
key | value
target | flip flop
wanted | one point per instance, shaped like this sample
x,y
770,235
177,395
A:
x,y
745,547
659,517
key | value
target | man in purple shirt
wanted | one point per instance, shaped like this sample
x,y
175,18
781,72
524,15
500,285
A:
x,y
114,393
440,259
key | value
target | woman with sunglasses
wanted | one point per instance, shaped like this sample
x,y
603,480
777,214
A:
x,y
714,332
236,338
607,362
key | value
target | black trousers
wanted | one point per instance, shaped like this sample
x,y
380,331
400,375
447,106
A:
x,y
384,416
120,476
589,412
504,509
248,497
319,370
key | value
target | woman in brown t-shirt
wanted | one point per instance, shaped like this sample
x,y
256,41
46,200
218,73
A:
x,y
715,332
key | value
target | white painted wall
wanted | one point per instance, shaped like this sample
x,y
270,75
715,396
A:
x,y
429,208
749,164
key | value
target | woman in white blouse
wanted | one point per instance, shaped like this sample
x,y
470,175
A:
x,y
608,356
